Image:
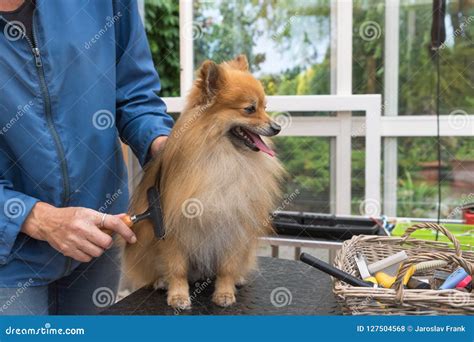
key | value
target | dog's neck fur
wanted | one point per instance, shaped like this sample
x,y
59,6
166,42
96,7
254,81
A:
x,y
237,189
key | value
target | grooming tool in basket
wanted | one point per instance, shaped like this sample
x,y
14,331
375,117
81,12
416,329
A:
x,y
417,284
385,263
335,272
409,281
386,278
429,265
386,270
363,270
399,300
464,283
441,275
438,278
454,279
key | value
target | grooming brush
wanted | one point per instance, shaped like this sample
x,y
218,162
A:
x,y
454,278
335,272
429,265
153,214
387,262
464,283
363,270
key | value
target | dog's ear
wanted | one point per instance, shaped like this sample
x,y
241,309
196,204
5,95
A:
x,y
240,63
209,76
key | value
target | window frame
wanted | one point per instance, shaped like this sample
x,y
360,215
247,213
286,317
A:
x,y
376,128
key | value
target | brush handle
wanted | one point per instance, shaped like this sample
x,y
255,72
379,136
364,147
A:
x,y
127,219
454,279
335,272
387,262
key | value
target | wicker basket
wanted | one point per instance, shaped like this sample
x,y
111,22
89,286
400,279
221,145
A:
x,y
397,300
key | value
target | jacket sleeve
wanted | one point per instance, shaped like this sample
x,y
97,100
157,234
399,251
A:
x,y
141,113
14,209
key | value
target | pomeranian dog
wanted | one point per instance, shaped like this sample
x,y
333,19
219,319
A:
x,y
218,180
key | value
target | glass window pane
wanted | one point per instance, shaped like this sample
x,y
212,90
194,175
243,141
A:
x,y
162,28
417,74
306,159
287,42
418,176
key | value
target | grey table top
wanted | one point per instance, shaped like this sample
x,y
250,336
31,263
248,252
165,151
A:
x,y
279,287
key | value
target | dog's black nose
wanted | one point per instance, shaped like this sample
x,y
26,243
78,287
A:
x,y
275,127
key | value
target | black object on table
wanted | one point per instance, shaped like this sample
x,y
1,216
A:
x,y
280,287
323,226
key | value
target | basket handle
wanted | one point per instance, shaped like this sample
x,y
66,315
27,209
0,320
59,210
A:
x,y
436,227
450,258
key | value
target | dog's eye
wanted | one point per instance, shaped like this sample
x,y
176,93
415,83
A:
x,y
250,109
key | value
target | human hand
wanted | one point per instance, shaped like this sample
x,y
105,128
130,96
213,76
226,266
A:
x,y
157,145
75,231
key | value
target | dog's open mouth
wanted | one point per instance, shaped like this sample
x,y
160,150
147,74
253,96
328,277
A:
x,y
251,139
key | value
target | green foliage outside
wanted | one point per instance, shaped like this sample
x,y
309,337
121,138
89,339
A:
x,y
162,26
269,30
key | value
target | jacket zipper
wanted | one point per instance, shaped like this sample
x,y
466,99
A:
x,y
49,119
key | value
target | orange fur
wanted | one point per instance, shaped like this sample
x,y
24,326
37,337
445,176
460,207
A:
x,y
234,190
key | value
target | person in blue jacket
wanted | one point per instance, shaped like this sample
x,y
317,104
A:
x,y
76,77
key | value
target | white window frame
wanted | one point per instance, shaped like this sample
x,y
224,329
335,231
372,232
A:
x,y
343,126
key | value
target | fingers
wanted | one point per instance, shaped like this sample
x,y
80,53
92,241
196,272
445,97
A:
x,y
99,238
114,223
80,256
90,249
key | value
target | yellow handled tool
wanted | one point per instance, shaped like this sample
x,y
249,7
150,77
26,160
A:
x,y
363,269
385,280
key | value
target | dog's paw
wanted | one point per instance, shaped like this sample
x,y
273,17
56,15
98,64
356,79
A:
x,y
160,284
223,299
180,302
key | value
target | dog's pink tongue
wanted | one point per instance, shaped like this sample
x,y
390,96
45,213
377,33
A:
x,y
260,144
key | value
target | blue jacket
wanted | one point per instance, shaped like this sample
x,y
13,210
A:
x,y
86,80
